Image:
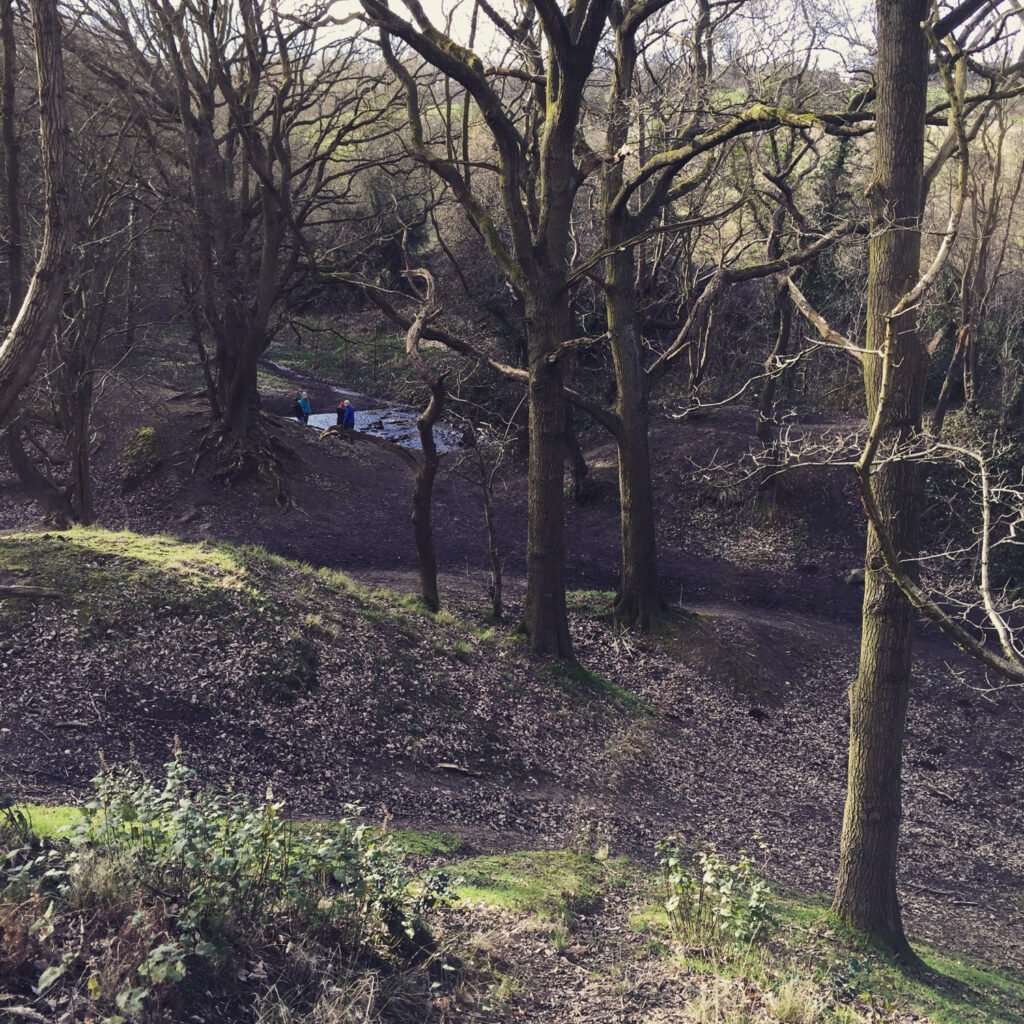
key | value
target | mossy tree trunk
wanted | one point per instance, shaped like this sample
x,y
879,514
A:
x,y
866,894
638,600
545,619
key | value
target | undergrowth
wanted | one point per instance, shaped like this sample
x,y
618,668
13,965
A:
x,y
163,901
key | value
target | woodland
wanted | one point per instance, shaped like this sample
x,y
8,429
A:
x,y
651,649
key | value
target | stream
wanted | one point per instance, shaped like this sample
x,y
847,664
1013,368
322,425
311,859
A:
x,y
374,416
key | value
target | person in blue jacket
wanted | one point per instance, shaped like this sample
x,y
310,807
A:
x,y
346,415
305,407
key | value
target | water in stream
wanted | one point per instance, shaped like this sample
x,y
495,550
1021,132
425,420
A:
x,y
395,424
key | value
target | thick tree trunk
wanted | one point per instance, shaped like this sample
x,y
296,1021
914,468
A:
x,y
545,619
638,602
866,893
33,326
12,165
239,391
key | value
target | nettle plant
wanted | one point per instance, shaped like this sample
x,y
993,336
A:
x,y
710,901
185,877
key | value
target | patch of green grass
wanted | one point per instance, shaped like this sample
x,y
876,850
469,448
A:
x,y
342,584
426,844
549,884
113,575
463,651
47,555
594,604
48,821
584,684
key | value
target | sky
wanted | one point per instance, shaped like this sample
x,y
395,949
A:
x,y
842,40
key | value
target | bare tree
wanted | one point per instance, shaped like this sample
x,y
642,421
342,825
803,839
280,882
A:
x,y
266,111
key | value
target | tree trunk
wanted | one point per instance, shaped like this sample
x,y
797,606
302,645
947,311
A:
x,y
239,389
130,276
950,380
81,447
493,555
33,326
767,427
638,602
866,893
574,452
12,165
784,330
195,317
423,496
545,619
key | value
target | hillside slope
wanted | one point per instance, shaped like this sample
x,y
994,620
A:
x,y
271,673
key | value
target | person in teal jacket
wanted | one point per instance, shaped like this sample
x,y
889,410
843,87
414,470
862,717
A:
x,y
307,408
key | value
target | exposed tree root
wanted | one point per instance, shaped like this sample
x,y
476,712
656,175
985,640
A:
x,y
259,455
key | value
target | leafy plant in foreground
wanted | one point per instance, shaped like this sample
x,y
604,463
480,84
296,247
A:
x,y
161,882
711,901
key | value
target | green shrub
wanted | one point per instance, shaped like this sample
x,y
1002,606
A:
x,y
161,883
709,901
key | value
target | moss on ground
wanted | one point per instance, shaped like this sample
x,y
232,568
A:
x,y
592,604
549,884
104,573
